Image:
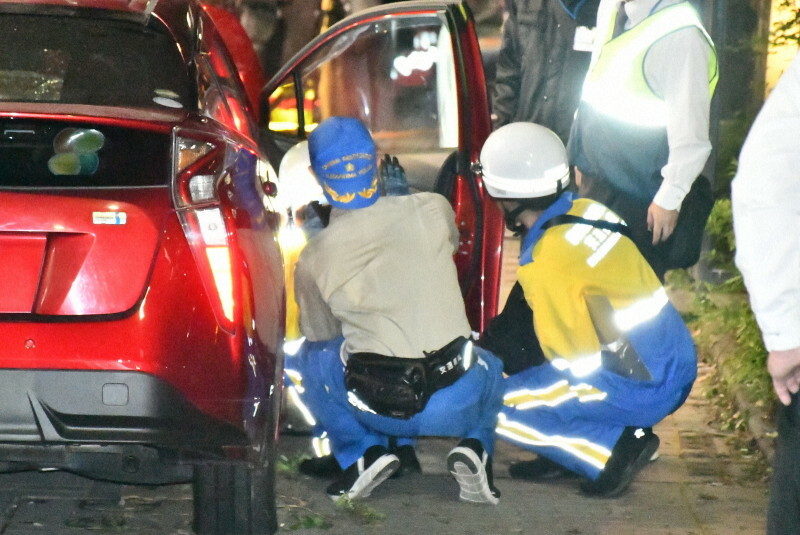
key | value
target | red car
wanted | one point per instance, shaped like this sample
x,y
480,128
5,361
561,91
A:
x,y
142,302
142,308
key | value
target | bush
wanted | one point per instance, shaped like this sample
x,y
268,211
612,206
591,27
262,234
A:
x,y
787,31
719,230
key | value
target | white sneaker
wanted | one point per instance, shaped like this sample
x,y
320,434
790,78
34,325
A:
x,y
361,477
471,466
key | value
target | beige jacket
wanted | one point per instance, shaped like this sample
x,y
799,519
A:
x,y
384,277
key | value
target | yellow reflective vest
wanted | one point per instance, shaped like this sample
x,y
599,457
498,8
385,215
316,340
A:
x,y
616,86
620,134
567,266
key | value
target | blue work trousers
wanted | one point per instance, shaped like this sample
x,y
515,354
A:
x,y
466,409
576,421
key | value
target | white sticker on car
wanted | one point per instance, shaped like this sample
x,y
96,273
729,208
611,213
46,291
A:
x,y
168,102
109,218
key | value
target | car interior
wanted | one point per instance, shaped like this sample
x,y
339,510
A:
x,y
408,110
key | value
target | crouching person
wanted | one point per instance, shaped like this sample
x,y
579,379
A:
x,y
387,353
617,356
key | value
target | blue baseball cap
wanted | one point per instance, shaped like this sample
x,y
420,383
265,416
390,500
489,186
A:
x,y
343,159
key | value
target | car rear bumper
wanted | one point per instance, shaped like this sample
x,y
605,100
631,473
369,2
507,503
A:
x,y
50,407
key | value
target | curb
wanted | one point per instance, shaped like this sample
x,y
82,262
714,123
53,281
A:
x,y
759,422
760,426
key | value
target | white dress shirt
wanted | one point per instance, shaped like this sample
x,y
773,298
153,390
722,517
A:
x,y
676,68
766,213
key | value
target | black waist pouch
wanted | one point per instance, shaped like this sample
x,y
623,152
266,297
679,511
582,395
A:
x,y
401,387
447,365
682,249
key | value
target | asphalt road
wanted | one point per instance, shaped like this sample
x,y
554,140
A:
x,y
702,484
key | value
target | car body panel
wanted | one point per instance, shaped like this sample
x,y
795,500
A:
x,y
159,120
110,290
92,232
131,6
22,264
244,56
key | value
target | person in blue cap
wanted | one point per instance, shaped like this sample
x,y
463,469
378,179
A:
x,y
387,352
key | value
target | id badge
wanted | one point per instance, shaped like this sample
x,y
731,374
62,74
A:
x,y
584,39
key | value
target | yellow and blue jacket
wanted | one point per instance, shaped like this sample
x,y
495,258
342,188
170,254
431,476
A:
x,y
566,269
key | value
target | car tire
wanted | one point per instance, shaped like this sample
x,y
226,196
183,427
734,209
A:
x,y
234,499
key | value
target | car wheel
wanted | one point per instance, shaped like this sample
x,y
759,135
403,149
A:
x,y
234,499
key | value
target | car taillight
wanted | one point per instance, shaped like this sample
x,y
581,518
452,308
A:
x,y
198,168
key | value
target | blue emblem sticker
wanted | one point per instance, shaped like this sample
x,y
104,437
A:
x,y
109,218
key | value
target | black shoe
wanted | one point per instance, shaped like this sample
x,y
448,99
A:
x,y
540,469
634,449
361,477
409,464
325,466
655,455
472,468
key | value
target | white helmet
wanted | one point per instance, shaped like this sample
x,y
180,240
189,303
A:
x,y
524,161
298,184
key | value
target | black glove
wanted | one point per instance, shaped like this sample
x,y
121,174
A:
x,y
510,335
321,211
393,176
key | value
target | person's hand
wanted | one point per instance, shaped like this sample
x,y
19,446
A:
x,y
661,222
784,367
393,176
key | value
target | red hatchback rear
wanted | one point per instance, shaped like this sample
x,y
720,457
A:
x,y
142,303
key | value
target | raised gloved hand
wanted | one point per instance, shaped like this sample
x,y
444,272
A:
x,y
314,217
393,176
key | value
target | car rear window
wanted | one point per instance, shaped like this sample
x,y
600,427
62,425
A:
x,y
36,154
107,62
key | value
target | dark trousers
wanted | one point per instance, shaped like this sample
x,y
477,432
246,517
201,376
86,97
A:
x,y
783,517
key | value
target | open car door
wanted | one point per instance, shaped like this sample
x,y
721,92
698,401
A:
x,y
412,72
